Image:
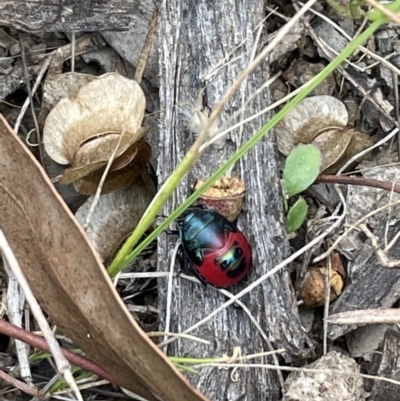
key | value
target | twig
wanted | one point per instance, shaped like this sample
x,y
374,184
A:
x,y
366,316
73,44
15,302
42,71
383,259
101,183
60,360
351,180
40,343
169,291
351,228
169,334
144,56
326,304
26,388
30,96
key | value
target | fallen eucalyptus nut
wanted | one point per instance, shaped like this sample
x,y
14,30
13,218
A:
x,y
312,292
226,196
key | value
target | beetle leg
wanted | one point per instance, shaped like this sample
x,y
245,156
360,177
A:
x,y
171,232
197,274
184,262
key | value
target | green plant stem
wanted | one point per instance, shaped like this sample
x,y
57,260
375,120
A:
x,y
124,257
164,193
195,361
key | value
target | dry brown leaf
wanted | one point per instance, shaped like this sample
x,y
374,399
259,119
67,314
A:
x,y
68,278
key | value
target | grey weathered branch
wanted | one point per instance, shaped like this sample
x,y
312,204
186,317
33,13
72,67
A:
x,y
66,16
194,37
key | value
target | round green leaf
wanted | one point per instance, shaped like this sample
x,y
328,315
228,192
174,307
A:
x,y
301,168
296,215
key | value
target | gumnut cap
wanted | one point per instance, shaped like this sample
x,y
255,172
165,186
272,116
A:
x,y
226,196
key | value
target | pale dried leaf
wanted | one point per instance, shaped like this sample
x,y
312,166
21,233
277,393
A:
x,y
66,275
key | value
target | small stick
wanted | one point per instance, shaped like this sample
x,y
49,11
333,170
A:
x,y
326,304
367,182
39,78
144,56
15,303
73,44
20,385
40,343
30,97
60,360
102,180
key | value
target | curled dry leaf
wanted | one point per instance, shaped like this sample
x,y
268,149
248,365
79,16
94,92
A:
x,y
226,196
67,276
312,292
117,215
321,120
84,131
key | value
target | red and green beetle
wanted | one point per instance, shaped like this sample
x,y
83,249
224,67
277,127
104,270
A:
x,y
216,250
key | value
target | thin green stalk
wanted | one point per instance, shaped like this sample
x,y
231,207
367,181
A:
x,y
124,257
187,369
120,261
195,361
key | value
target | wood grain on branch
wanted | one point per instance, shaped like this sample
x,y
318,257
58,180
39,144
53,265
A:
x,y
194,37
66,16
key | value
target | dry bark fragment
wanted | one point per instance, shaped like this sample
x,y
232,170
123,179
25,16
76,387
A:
x,y
389,367
70,15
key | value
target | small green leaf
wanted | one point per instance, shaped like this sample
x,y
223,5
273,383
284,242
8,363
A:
x,y
296,215
301,168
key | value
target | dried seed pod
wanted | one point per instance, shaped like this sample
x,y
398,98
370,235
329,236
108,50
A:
x,y
358,142
312,292
84,131
226,196
333,143
321,120
124,171
307,119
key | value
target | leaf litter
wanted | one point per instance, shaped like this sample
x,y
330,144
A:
x,y
346,143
